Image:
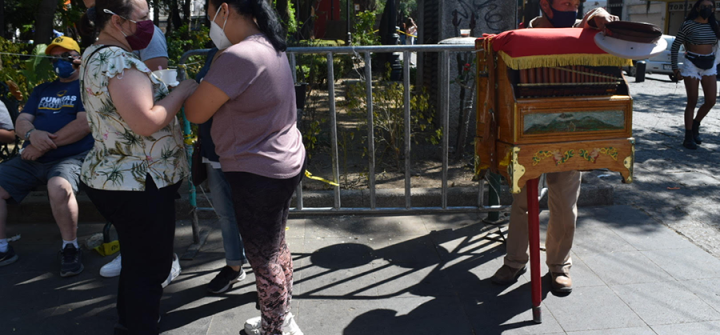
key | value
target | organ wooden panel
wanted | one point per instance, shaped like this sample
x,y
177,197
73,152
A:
x,y
551,119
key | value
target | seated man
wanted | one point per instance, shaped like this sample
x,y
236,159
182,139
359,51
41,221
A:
x,y
7,130
57,138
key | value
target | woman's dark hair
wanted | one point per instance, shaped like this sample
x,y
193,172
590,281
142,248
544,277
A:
x,y
695,12
86,25
264,14
96,18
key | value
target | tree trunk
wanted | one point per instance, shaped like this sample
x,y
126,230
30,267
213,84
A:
x,y
156,12
174,20
44,21
187,14
2,21
306,11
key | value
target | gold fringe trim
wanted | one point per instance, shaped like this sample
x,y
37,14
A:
x,y
529,62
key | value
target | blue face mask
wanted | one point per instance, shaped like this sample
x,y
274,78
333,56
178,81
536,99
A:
x,y
563,19
63,68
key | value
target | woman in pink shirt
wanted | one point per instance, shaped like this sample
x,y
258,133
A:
x,y
249,93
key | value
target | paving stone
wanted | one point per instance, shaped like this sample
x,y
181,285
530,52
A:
x,y
625,267
581,274
699,328
591,308
295,228
707,290
334,226
696,179
686,264
508,312
391,279
451,221
617,331
597,240
328,275
665,303
407,315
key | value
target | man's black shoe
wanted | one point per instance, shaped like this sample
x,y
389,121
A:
x,y
70,261
8,257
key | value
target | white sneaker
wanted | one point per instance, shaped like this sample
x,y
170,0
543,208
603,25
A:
x,y
113,268
174,271
254,326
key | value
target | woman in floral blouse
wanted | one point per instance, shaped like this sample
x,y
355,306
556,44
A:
x,y
133,172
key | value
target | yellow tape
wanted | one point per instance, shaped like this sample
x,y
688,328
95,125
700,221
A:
x,y
309,175
404,33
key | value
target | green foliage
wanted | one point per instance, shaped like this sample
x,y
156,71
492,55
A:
x,y
311,133
389,114
344,142
313,69
25,72
365,29
184,39
407,8
38,69
292,23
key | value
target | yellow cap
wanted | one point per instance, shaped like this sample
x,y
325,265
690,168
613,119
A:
x,y
63,41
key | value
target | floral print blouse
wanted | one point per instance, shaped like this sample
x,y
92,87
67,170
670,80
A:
x,y
121,159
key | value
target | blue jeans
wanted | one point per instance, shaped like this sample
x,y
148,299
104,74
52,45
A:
x,y
222,202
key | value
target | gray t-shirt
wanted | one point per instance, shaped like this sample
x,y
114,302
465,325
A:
x,y
156,48
5,121
255,131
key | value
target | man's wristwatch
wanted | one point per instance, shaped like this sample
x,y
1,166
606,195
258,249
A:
x,y
27,135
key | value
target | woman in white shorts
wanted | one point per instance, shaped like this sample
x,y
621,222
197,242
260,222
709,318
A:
x,y
699,33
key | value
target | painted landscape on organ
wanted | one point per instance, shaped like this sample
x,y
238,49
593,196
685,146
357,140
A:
x,y
581,121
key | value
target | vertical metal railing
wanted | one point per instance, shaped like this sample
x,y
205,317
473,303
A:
x,y
371,129
444,52
333,128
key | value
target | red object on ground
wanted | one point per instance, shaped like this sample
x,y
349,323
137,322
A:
x,y
534,235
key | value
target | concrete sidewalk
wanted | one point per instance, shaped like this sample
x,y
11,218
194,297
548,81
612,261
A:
x,y
394,275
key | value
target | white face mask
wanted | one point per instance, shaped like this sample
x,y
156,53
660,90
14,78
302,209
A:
x,y
217,34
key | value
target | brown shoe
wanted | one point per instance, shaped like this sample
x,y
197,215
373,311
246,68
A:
x,y
506,275
561,283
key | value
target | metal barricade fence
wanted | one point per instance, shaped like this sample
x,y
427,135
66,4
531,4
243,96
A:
x,y
444,89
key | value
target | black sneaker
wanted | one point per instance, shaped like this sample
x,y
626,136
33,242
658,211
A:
x,y
8,257
225,280
70,261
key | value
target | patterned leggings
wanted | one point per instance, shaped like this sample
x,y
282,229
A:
x,y
261,208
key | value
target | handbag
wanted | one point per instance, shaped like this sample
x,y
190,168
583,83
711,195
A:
x,y
198,170
704,62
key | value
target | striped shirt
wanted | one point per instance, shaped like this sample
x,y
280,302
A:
x,y
691,32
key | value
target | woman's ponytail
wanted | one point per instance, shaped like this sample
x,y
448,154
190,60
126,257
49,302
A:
x,y
269,23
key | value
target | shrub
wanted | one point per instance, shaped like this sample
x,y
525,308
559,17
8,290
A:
x,y
389,114
184,39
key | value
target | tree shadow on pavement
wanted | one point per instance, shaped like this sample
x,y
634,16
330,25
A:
x,y
448,266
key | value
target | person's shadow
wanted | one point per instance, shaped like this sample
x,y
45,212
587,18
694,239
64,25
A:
x,y
461,300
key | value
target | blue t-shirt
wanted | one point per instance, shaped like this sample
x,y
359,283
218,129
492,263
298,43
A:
x,y
156,48
54,105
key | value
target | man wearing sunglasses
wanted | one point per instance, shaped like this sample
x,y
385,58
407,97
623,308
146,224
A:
x,y
57,138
